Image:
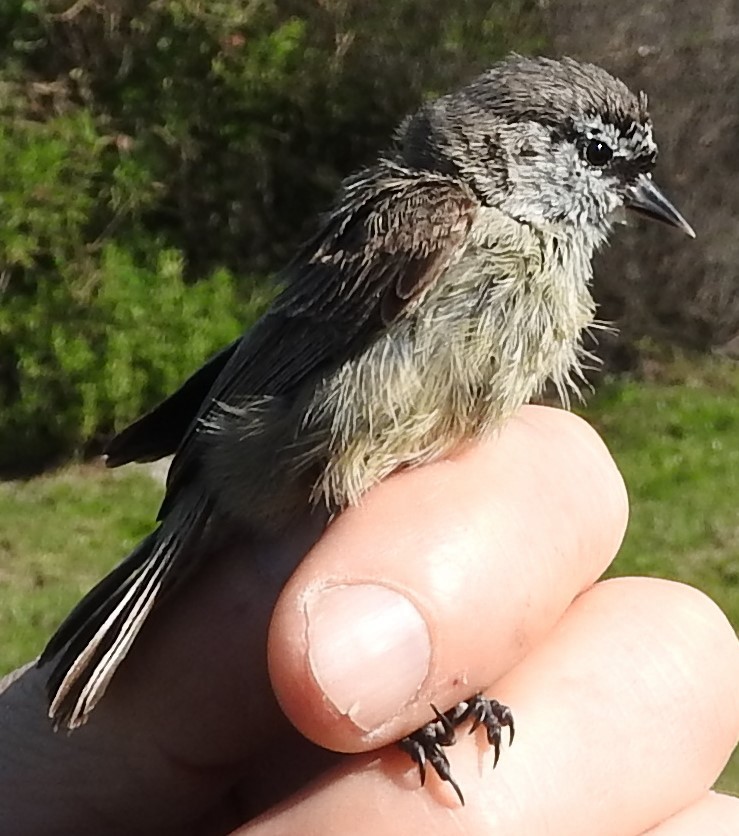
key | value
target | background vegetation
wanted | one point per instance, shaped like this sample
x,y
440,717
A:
x,y
159,161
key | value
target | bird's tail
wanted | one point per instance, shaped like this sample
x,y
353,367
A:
x,y
93,640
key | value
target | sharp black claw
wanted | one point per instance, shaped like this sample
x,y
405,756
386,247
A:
x,y
421,761
493,716
455,787
414,747
425,745
446,736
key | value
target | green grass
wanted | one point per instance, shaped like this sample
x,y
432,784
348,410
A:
x,y
676,441
58,535
678,448
675,437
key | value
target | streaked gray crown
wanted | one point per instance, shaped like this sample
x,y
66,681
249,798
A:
x,y
521,133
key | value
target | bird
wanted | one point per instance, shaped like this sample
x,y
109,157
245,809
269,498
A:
x,y
447,285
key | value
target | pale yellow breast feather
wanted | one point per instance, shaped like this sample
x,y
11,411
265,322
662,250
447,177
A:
x,y
507,316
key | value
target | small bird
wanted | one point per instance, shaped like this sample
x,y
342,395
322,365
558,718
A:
x,y
447,285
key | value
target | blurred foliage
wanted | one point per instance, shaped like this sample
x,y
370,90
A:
x,y
147,148
88,356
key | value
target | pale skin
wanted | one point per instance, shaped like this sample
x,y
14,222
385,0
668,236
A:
x,y
625,693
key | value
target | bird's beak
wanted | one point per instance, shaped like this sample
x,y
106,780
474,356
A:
x,y
645,198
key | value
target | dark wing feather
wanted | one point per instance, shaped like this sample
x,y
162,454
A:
x,y
388,239
391,236
159,432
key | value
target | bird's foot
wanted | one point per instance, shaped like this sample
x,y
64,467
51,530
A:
x,y
425,746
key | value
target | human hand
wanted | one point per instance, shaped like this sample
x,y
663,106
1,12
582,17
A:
x,y
481,571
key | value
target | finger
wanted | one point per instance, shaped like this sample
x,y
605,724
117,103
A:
x,y
443,580
626,714
714,814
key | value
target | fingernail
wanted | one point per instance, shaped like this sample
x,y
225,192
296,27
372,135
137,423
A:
x,y
369,650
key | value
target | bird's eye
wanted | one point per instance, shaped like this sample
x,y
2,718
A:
x,y
598,153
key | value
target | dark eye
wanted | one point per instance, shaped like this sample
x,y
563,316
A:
x,y
598,153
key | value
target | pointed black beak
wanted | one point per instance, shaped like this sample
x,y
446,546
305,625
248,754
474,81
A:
x,y
648,200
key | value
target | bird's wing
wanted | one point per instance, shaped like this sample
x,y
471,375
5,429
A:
x,y
340,289
388,240
160,431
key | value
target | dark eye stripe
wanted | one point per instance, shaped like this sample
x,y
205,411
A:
x,y
631,167
639,162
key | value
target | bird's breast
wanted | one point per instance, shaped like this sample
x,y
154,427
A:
x,y
505,317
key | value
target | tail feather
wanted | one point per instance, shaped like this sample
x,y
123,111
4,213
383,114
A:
x,y
94,639
86,679
81,650
139,605
103,592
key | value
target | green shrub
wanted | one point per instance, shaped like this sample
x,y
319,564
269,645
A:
x,y
244,116
90,356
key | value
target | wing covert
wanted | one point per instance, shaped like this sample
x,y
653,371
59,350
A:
x,y
391,235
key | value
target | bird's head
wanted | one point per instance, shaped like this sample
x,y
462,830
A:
x,y
558,145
